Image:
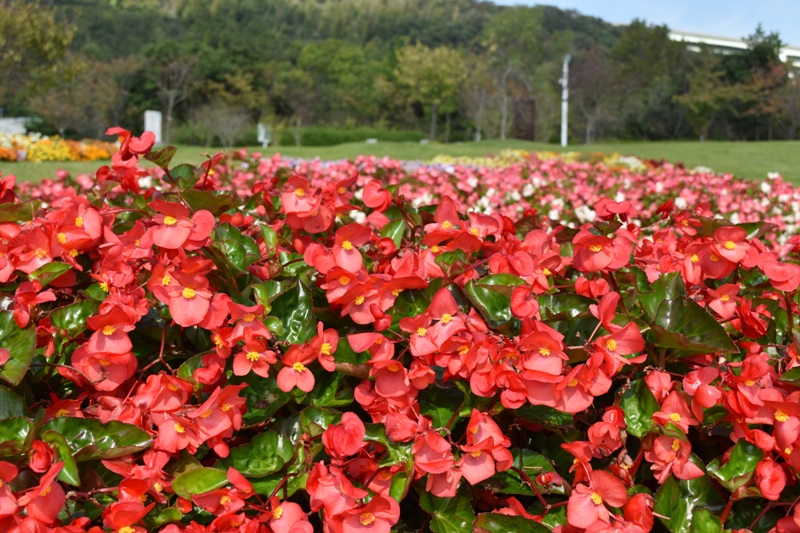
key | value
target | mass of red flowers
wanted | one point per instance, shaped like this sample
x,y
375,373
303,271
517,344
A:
x,y
258,345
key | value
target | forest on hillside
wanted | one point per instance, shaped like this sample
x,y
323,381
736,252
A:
x,y
452,70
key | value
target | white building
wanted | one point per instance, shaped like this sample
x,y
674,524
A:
x,y
728,45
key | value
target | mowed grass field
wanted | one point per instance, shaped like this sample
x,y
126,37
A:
x,y
746,159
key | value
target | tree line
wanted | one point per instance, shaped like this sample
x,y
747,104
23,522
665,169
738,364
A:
x,y
458,69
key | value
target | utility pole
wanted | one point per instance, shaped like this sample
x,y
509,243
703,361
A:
x,y
564,99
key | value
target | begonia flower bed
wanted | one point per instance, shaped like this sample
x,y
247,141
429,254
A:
x,y
267,345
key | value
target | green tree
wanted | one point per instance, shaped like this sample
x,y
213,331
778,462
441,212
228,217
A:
x,y
32,40
432,76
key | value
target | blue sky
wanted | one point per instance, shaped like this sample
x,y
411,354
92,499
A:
x,y
728,18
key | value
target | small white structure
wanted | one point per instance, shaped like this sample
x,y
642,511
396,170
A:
x,y
264,135
13,126
152,122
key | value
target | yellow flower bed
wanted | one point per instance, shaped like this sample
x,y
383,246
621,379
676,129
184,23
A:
x,y
512,157
35,147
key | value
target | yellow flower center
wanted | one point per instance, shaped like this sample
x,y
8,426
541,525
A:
x,y
253,356
724,298
62,238
396,292
179,428
676,445
713,258
172,387
109,330
476,454
366,519
595,248
788,450
188,293
103,286
780,416
394,367
447,224
611,344
421,332
225,407
596,499
166,280
694,258
40,253
170,221
218,341
463,349
299,367
546,271
61,412
341,190
225,500
750,382
326,348
206,413
45,491
104,362
435,249
446,318
359,300
249,317
277,513
300,192
729,245
74,253
158,487
675,417
344,280
79,222
573,383
544,352
474,231
347,245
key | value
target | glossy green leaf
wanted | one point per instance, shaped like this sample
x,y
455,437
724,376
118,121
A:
x,y
564,306
47,273
704,521
199,481
293,309
72,318
791,376
739,469
500,523
163,157
22,212
270,240
11,404
678,501
491,296
398,452
449,515
214,202
330,390
314,420
161,516
239,249
21,345
263,398
69,473
91,439
683,325
266,485
639,404
510,481
441,404
14,435
668,287
544,414
394,230
264,455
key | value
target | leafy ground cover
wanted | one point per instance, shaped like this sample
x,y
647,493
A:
x,y
266,345
751,159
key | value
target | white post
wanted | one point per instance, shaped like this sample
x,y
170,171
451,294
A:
x,y
564,99
152,122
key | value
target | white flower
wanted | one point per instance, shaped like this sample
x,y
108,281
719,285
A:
x,y
554,214
585,213
766,188
619,197
680,202
358,216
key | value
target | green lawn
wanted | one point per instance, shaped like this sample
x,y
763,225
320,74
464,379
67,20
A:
x,y
748,159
